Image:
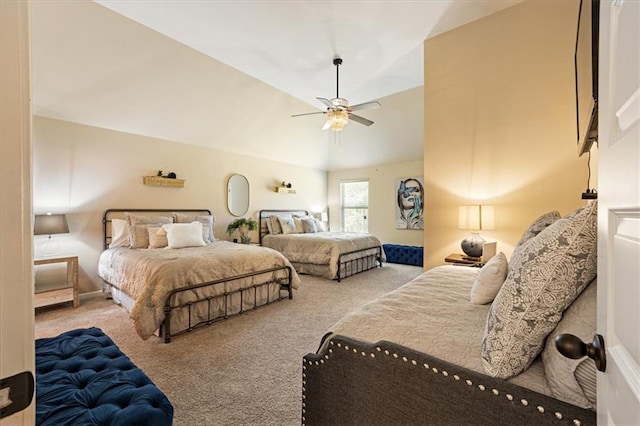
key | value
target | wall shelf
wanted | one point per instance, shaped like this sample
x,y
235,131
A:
x,y
162,181
284,190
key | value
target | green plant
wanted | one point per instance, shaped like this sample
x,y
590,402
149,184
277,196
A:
x,y
242,224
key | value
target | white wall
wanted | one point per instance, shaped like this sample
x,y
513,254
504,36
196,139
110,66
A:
x,y
17,352
382,199
82,171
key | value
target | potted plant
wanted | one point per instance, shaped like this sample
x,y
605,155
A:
x,y
243,226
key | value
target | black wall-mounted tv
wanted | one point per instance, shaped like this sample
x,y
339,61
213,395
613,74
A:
x,y
586,74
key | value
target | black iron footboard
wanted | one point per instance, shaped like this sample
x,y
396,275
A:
x,y
171,303
349,382
348,264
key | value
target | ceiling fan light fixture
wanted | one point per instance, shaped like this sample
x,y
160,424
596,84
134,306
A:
x,y
337,119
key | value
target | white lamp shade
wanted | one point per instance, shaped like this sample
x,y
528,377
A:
x,y
476,217
48,224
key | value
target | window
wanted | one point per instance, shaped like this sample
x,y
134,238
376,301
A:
x,y
354,205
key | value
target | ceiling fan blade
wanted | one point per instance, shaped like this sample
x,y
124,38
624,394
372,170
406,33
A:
x,y
327,102
365,105
308,113
360,120
326,126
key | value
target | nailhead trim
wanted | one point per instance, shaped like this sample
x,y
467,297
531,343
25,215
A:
x,y
456,377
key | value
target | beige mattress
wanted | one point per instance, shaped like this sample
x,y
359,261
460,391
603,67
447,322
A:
x,y
321,249
144,277
433,314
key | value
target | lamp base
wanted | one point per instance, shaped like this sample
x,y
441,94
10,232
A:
x,y
472,245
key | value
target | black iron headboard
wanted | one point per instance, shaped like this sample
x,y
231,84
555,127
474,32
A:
x,y
111,214
263,216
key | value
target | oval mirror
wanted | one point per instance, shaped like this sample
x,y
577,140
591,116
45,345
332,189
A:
x,y
238,195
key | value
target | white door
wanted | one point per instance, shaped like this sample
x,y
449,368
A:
x,y
619,212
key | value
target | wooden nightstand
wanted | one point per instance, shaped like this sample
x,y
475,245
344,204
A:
x,y
68,293
460,260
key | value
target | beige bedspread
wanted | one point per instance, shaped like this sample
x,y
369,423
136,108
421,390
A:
x,y
433,314
321,248
148,275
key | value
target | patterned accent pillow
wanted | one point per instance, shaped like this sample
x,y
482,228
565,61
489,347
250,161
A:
x,y
288,225
550,271
275,225
489,280
157,239
206,220
538,226
309,226
139,236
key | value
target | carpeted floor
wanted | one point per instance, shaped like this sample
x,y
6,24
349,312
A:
x,y
242,371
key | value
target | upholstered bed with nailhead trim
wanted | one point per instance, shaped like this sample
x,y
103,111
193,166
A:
x,y
434,352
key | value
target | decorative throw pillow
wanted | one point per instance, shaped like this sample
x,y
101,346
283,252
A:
x,y
119,233
298,223
548,274
320,227
157,240
573,380
489,280
139,236
538,226
275,225
147,220
206,220
309,225
180,235
288,225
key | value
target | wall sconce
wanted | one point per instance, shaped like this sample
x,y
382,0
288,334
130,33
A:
x,y
475,218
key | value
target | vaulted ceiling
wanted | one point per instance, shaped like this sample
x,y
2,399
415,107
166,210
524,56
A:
x,y
214,73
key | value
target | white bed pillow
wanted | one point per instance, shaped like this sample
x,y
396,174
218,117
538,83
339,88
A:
x,y
489,280
119,233
320,227
207,221
181,235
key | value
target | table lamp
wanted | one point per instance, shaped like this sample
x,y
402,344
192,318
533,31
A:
x,y
475,218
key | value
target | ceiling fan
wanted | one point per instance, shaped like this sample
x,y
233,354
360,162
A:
x,y
338,111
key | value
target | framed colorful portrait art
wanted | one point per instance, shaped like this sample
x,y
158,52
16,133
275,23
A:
x,y
410,203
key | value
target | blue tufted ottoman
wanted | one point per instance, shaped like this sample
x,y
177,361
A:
x,y
82,378
408,255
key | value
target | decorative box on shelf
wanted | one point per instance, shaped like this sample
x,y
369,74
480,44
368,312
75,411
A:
x,y
284,190
163,181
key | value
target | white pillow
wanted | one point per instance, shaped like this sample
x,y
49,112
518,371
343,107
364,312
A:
x,y
119,233
320,227
180,235
489,280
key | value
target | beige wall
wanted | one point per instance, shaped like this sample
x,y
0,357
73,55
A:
x,y
82,171
16,276
382,199
500,123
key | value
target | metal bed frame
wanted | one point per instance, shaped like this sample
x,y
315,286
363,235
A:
x,y
171,303
348,264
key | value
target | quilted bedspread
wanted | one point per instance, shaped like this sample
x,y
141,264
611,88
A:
x,y
149,275
321,248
